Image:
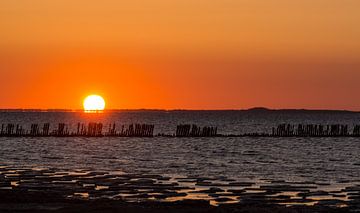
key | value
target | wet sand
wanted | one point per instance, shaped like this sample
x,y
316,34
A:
x,y
54,190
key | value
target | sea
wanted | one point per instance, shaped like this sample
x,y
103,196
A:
x,y
331,160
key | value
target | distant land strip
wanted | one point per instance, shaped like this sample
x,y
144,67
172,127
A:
x,y
255,109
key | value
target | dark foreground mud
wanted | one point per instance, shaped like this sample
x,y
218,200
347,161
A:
x,y
22,201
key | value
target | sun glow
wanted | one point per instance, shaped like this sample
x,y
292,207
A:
x,y
94,103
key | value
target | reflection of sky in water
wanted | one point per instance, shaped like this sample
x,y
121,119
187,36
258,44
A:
x,y
332,163
290,159
85,184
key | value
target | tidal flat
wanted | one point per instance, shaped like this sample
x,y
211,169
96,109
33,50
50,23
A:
x,y
53,190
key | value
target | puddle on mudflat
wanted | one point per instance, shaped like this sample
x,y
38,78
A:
x,y
14,183
84,195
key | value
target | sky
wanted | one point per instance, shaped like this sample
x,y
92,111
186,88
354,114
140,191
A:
x,y
180,54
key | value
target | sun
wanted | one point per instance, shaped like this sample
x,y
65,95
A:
x,y
94,103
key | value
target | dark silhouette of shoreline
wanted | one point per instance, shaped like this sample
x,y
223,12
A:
x,y
254,109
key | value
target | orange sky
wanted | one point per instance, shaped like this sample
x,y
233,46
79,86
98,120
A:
x,y
203,54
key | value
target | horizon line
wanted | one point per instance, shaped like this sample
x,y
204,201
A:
x,y
179,109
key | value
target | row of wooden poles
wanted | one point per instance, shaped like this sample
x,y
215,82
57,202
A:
x,y
315,130
184,130
97,130
188,130
90,130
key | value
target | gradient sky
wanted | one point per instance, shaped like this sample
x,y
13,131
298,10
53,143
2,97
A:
x,y
189,54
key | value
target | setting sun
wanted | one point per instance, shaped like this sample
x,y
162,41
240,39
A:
x,y
94,103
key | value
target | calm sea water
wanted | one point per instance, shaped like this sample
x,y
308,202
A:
x,y
290,159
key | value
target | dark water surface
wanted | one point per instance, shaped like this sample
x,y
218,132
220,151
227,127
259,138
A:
x,y
286,158
328,161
